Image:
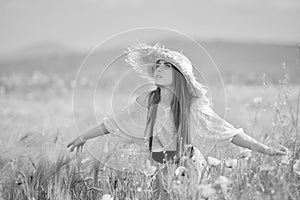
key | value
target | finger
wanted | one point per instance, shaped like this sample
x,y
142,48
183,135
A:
x,y
69,144
284,148
72,149
280,153
284,151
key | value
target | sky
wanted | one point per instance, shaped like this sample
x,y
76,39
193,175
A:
x,y
81,24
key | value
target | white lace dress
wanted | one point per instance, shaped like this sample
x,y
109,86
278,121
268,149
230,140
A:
x,y
208,131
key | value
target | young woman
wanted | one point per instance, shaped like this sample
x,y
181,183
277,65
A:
x,y
174,115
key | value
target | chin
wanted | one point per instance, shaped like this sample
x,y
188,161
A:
x,y
158,84
161,85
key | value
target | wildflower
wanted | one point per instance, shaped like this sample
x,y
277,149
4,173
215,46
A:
x,y
257,100
20,178
199,161
245,153
224,183
206,191
149,170
180,171
296,167
267,167
139,189
287,157
213,161
107,197
177,186
222,180
231,163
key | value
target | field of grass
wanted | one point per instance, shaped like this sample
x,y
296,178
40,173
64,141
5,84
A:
x,y
37,123
39,116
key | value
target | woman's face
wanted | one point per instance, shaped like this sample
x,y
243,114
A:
x,y
163,73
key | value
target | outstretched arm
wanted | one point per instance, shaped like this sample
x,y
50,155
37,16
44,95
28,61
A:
x,y
92,133
217,129
95,132
246,141
205,120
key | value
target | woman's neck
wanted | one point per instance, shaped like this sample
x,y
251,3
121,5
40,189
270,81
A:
x,y
166,96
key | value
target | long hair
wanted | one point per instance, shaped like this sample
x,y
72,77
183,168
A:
x,y
180,106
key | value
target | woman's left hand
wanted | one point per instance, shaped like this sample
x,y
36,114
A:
x,y
277,152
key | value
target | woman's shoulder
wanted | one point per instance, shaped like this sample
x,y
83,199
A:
x,y
197,103
142,94
142,99
198,107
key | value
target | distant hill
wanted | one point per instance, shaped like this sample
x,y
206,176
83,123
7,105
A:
x,y
40,50
246,61
237,62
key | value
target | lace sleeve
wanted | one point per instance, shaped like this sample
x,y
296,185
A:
x,y
124,148
128,124
208,130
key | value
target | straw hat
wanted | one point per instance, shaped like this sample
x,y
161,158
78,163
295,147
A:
x,y
143,58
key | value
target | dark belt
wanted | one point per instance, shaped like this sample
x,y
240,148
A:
x,y
162,157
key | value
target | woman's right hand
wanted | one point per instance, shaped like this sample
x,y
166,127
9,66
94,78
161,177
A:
x,y
282,151
77,143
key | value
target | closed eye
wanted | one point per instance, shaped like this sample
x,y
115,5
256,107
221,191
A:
x,y
168,64
158,63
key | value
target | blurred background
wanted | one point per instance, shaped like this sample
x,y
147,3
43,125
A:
x,y
43,44
244,38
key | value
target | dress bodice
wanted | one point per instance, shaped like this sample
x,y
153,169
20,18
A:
x,y
207,129
164,131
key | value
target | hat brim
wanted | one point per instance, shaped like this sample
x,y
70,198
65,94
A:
x,y
143,58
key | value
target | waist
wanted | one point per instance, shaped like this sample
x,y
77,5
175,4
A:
x,y
161,150
163,157
163,144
